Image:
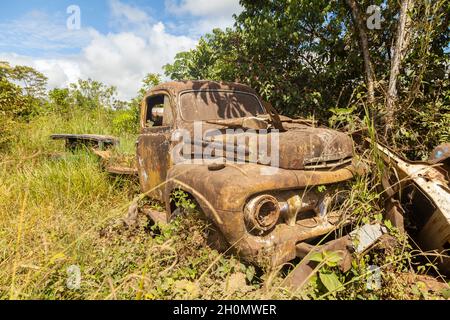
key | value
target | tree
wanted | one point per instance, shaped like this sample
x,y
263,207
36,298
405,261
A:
x,y
214,58
401,45
127,120
364,42
22,91
289,51
309,57
90,94
60,100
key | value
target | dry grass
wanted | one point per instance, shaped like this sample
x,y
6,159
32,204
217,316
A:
x,y
59,210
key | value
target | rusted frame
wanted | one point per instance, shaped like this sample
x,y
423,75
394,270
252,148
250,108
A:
x,y
144,106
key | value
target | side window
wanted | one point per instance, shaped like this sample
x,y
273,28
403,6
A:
x,y
159,112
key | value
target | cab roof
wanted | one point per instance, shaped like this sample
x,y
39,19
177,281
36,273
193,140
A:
x,y
176,87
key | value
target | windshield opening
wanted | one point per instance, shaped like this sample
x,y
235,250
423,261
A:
x,y
214,105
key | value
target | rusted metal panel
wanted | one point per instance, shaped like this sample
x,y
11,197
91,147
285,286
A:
x,y
91,140
156,216
357,242
433,206
229,188
153,160
309,156
121,170
114,168
320,148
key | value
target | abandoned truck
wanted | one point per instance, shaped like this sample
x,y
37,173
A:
x,y
260,214
264,205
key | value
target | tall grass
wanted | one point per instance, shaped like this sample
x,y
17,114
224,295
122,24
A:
x,y
59,209
49,201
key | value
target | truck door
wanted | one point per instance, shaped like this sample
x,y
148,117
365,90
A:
x,y
153,145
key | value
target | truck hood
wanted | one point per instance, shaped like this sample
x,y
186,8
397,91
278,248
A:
x,y
300,147
314,148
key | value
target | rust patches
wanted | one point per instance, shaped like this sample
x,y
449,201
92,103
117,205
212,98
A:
x,y
96,141
424,188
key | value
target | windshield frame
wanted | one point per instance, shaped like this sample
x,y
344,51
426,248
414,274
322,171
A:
x,y
216,90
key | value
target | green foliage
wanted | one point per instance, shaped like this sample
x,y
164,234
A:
x,y
328,278
150,80
292,52
127,119
6,131
212,59
90,95
304,57
21,96
182,200
424,126
22,90
60,100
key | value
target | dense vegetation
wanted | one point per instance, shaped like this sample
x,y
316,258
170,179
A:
x,y
307,58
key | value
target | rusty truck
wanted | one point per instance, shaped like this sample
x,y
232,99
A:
x,y
265,210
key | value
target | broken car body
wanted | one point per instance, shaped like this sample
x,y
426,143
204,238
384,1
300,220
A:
x,y
424,188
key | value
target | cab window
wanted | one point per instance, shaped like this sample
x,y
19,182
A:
x,y
159,112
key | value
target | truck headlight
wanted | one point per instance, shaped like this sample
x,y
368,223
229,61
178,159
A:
x,y
261,213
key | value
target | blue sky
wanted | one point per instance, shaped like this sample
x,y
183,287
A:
x,y
119,40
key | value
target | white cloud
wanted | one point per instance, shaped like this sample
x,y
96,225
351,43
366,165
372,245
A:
x,y
198,17
121,10
199,8
38,30
60,72
121,59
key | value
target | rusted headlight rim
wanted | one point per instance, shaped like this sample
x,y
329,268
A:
x,y
261,213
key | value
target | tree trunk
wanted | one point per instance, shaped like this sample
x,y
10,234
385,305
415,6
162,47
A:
x,y
398,52
364,43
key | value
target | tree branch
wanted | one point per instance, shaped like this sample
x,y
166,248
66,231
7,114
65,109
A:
x,y
364,43
398,53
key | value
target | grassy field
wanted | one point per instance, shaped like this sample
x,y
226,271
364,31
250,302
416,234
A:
x,y
59,212
60,209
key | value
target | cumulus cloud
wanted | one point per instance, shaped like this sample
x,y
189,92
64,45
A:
x,y
60,72
41,32
130,13
210,8
198,17
122,58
